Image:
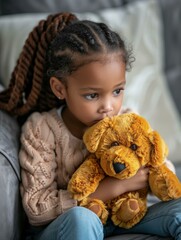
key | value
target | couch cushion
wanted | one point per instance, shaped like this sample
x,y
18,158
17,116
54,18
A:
x,y
9,141
172,47
10,202
32,6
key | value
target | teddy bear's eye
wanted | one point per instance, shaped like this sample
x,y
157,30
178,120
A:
x,y
113,144
133,147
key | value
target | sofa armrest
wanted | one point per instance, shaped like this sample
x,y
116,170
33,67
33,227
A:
x,y
10,203
11,220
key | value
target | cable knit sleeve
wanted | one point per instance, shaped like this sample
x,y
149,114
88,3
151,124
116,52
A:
x,y
42,200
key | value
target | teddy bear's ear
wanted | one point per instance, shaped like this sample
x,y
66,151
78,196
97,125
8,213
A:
x,y
93,134
159,150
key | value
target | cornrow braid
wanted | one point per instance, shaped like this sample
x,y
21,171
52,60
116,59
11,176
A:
x,y
56,47
26,82
80,43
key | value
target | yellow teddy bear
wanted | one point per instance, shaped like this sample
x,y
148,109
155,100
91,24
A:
x,y
118,147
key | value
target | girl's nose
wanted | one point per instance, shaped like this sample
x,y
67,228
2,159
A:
x,y
106,108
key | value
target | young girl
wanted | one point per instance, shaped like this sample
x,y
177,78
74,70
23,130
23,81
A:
x,y
71,74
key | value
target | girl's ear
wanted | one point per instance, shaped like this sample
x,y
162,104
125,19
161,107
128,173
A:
x,y
58,88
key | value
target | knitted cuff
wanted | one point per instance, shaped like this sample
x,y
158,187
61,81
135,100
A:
x,y
66,200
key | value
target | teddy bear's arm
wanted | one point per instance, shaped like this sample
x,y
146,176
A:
x,y
86,178
164,183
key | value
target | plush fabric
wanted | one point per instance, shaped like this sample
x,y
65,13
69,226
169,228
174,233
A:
x,y
119,146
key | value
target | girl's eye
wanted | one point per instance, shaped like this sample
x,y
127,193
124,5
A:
x,y
91,96
117,92
113,144
133,147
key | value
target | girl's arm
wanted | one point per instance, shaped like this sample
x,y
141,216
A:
x,y
110,187
42,200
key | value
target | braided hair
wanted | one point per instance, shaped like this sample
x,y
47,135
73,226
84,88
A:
x,y
56,47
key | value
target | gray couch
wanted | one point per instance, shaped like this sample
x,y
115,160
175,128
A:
x,y
154,33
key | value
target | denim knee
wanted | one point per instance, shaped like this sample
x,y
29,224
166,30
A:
x,y
163,219
80,223
173,219
75,224
86,223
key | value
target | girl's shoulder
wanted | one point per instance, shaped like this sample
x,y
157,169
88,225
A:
x,y
39,120
41,116
41,126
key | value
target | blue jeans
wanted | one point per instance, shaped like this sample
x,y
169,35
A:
x,y
163,219
78,223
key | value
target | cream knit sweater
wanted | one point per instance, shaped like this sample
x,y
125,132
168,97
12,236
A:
x,y
48,156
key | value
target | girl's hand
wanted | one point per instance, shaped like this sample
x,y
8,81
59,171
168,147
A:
x,y
138,181
110,187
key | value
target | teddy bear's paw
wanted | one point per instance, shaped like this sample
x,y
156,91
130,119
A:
x,y
97,206
128,212
165,184
128,209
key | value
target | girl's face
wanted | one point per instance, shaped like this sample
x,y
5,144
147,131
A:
x,y
94,91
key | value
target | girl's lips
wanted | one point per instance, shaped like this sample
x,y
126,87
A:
x,y
96,121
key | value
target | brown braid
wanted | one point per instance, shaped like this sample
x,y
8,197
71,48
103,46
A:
x,y
27,78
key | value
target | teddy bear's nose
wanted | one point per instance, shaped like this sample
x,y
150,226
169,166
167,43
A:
x,y
118,167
